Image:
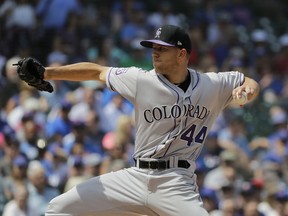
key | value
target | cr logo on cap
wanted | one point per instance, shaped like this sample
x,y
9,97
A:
x,y
158,33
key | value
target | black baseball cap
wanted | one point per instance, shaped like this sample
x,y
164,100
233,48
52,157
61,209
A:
x,y
170,35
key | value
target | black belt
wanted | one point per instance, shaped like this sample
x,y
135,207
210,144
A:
x,y
160,164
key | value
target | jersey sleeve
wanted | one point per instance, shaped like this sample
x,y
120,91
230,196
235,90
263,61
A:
x,y
123,80
230,80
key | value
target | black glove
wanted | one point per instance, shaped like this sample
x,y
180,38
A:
x,y
32,71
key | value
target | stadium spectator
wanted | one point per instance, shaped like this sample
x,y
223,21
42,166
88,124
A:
x,y
19,205
40,193
18,176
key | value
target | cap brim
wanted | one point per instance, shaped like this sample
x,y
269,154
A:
x,y
149,43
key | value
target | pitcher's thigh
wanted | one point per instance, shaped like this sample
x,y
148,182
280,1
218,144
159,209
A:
x,y
191,210
84,197
173,206
117,191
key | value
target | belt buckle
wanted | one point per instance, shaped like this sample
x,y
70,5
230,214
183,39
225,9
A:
x,y
153,164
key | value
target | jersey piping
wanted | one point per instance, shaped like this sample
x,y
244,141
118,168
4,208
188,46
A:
x,y
177,95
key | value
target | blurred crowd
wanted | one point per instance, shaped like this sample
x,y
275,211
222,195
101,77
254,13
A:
x,y
51,142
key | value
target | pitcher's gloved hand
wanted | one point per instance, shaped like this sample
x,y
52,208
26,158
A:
x,y
32,71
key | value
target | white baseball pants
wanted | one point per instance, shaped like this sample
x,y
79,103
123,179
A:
x,y
132,191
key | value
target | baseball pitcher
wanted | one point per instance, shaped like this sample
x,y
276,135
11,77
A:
x,y
175,107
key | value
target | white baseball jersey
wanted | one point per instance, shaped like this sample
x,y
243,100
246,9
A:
x,y
169,121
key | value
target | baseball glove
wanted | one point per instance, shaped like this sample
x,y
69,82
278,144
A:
x,y
32,71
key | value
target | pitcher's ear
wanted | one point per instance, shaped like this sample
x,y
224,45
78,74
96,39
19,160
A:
x,y
182,53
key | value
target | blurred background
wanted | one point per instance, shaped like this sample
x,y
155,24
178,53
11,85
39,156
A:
x,y
51,142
